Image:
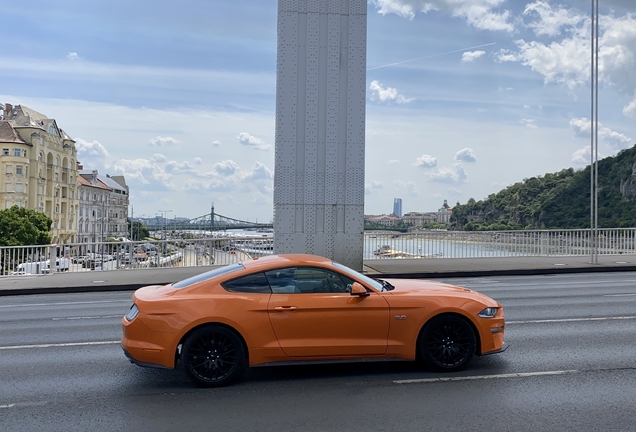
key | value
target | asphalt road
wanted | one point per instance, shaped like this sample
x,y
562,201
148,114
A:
x,y
571,366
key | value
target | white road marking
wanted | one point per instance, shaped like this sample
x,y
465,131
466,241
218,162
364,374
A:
x,y
483,377
563,320
56,345
87,317
618,295
7,406
504,285
65,303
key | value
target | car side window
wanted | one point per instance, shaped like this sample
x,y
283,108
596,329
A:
x,y
282,280
254,284
307,280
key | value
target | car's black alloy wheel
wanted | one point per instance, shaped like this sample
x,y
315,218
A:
x,y
213,356
447,343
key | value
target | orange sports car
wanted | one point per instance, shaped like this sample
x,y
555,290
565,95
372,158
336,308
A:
x,y
297,307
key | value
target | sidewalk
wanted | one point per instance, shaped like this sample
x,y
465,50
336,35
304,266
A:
x,y
128,280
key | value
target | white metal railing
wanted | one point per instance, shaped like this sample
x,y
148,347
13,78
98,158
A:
x,y
377,245
480,244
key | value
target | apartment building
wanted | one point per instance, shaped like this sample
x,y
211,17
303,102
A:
x,y
38,168
103,206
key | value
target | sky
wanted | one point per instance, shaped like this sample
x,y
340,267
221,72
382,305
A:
x,y
464,97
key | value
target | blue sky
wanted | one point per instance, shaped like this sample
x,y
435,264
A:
x,y
464,97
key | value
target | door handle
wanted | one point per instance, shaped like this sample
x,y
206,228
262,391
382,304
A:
x,y
285,308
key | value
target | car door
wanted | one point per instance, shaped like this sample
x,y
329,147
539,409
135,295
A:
x,y
313,314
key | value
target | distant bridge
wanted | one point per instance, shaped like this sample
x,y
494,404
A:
x,y
208,222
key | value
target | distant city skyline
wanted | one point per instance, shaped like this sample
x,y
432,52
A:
x,y
463,99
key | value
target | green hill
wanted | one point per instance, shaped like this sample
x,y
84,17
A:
x,y
559,200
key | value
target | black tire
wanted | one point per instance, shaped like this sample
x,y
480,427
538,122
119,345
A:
x,y
447,343
213,356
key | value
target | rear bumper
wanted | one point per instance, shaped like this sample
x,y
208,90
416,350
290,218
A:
x,y
140,363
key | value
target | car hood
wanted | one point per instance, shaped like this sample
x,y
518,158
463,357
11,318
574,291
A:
x,y
406,285
427,288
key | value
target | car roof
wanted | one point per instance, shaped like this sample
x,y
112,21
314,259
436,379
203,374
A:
x,y
282,260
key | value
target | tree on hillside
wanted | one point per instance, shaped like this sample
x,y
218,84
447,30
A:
x,y
139,230
22,227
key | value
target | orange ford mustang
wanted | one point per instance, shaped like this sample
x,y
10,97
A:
x,y
296,307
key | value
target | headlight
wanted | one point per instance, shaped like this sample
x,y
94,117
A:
x,y
132,313
489,312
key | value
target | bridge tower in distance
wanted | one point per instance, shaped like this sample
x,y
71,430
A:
x,y
320,127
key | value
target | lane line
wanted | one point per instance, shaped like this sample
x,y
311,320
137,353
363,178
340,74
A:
x,y
87,317
540,285
563,320
66,303
7,406
484,377
618,295
57,345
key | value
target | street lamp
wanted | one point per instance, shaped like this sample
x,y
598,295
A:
x,y
163,212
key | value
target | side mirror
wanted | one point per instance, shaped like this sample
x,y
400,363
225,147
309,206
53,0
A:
x,y
358,290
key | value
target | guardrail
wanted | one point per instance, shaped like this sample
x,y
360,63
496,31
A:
x,y
229,249
481,244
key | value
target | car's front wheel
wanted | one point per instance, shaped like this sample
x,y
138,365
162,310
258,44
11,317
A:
x,y
213,356
447,343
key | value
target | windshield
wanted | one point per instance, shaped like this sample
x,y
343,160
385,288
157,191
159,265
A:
x,y
208,275
366,279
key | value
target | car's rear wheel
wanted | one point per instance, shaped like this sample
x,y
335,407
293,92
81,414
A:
x,y
447,343
213,356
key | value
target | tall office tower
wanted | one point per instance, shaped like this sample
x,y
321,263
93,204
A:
x,y
397,207
320,117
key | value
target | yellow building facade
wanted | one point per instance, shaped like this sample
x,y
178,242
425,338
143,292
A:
x,y
38,169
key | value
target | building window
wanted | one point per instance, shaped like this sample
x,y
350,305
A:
x,y
57,178
55,225
9,169
7,204
18,170
70,225
8,187
5,152
17,152
18,187
57,209
18,203
24,153
57,161
41,157
42,207
72,194
41,190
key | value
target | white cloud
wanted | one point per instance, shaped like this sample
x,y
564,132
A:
x,y
471,56
581,128
251,141
454,192
409,187
454,174
479,13
216,143
566,60
551,20
393,162
372,187
198,160
630,109
466,155
259,172
225,168
528,123
379,93
159,158
426,161
161,141
92,149
73,56
174,167
144,172
582,156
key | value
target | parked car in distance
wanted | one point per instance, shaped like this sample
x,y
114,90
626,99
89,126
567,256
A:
x,y
285,308
79,259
